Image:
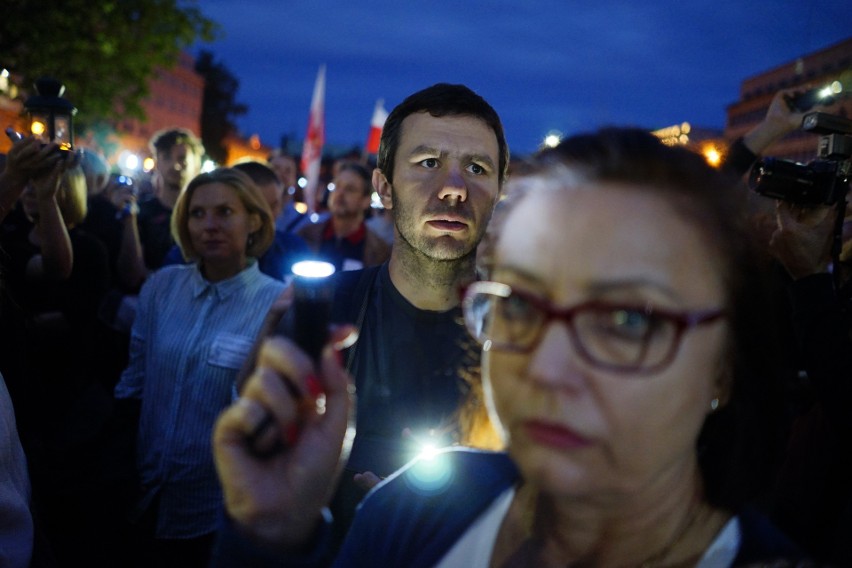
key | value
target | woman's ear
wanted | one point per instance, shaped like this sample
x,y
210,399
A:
x,y
255,223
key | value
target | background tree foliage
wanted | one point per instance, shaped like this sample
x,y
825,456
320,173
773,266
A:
x,y
104,52
220,107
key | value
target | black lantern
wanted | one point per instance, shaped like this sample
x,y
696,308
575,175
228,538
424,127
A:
x,y
51,116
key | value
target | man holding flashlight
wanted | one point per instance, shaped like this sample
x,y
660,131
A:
x,y
441,165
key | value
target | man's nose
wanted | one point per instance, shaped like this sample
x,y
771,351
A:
x,y
454,187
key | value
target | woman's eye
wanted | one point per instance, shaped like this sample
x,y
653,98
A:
x,y
632,323
516,308
476,169
196,213
430,163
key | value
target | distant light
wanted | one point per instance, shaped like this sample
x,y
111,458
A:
x,y
303,182
129,160
148,164
208,166
713,156
835,88
254,142
4,73
301,207
314,217
331,186
552,139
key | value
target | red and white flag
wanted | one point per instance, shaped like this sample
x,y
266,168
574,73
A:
x,y
314,139
380,115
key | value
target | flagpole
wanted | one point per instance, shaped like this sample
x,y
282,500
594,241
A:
x,y
314,140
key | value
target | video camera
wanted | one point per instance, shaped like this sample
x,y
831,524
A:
x,y
824,181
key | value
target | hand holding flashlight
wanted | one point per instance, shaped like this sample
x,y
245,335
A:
x,y
306,323
279,498
279,450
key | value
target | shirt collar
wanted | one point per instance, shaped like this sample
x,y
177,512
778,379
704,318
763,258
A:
x,y
225,288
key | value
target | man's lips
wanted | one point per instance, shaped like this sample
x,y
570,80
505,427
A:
x,y
448,224
554,435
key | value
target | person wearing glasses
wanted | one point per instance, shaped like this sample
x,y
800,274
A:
x,y
626,362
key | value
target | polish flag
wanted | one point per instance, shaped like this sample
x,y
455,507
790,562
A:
x,y
312,148
380,115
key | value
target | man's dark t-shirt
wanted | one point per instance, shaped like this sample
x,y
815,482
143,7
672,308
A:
x,y
407,369
408,366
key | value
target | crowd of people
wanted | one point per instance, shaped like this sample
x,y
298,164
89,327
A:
x,y
627,357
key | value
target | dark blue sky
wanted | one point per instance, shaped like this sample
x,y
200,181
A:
x,y
543,64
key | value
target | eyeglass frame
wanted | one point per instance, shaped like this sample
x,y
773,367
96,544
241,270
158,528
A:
x,y
682,320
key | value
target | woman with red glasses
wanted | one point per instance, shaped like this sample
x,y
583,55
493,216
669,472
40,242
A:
x,y
626,362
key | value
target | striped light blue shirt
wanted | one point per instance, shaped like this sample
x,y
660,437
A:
x,y
189,339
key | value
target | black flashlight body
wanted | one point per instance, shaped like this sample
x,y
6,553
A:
x,y
306,322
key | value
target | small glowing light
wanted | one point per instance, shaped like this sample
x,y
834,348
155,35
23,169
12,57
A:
x,y
685,128
4,73
713,156
301,207
315,217
38,128
313,269
552,139
130,161
835,88
303,182
331,186
430,474
148,164
683,139
254,142
208,166
428,452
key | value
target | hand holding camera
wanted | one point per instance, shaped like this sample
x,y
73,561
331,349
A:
x,y
31,160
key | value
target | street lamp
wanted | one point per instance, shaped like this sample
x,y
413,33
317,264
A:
x,y
51,116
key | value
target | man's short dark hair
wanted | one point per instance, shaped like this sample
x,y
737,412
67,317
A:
x,y
440,100
260,173
165,140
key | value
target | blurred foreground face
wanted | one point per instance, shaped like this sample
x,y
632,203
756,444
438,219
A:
x,y
579,429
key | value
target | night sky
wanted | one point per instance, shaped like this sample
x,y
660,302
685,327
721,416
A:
x,y
543,64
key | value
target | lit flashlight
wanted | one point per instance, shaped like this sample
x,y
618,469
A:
x,y
306,324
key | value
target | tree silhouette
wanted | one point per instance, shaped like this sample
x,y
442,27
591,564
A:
x,y
220,108
105,52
